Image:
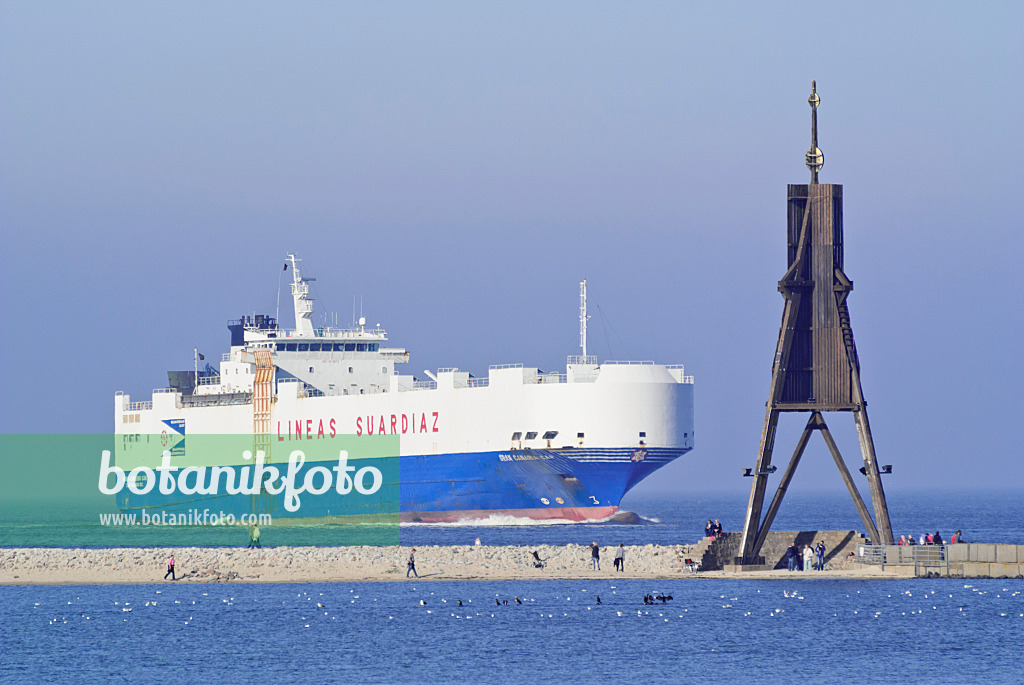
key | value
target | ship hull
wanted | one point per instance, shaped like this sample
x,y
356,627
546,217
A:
x,y
557,484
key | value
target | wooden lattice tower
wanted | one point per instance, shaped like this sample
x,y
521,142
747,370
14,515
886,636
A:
x,y
816,368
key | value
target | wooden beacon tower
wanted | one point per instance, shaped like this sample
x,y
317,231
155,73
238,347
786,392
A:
x,y
816,368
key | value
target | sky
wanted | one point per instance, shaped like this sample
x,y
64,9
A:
x,y
458,167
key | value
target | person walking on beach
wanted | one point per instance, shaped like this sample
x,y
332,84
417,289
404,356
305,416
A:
x,y
170,568
620,557
595,556
254,537
412,564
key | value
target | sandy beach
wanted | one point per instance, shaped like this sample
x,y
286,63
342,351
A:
x,y
25,566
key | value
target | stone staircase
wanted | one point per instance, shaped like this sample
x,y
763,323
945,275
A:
x,y
713,555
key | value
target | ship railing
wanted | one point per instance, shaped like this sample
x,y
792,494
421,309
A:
x,y
495,367
677,372
424,385
138,406
628,363
552,378
478,382
311,392
209,380
448,369
580,359
161,391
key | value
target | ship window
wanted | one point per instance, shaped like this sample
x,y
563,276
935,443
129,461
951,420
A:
x,y
518,435
291,347
374,346
303,347
550,435
349,347
530,435
280,347
311,369
361,347
643,434
383,369
350,369
579,435
314,347
338,347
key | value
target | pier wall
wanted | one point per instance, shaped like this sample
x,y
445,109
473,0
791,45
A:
x,y
838,544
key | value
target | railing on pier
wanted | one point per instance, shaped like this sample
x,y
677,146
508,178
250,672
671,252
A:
x,y
918,556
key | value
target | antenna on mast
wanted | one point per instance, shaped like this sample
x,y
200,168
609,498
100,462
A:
x,y
583,317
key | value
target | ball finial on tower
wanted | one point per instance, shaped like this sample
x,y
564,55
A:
x,y
815,158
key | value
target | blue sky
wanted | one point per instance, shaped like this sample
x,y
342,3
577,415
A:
x,y
459,167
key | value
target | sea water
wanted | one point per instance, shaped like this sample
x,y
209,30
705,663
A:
x,y
786,630
996,516
868,631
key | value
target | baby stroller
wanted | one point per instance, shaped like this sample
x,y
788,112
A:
x,y
537,561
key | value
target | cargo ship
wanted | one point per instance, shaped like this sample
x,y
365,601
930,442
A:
x,y
517,442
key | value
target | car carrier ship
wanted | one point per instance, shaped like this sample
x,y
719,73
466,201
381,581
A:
x,y
518,442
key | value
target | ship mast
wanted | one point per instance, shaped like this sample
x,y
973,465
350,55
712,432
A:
x,y
583,318
300,295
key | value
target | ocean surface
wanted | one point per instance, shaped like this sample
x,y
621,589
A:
x,y
793,630
996,516
766,631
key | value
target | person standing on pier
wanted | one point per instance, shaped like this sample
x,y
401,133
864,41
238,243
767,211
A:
x,y
595,556
808,558
620,558
791,555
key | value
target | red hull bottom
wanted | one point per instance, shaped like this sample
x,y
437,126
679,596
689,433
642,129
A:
x,y
563,513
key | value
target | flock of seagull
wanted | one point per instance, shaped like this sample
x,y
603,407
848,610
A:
x,y
312,605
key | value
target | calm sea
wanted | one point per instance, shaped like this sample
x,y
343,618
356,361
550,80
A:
x,y
662,519
869,631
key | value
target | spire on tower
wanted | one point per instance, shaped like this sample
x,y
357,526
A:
x,y
815,158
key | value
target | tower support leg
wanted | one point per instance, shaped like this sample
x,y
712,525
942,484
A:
x,y
865,517
787,477
867,449
757,490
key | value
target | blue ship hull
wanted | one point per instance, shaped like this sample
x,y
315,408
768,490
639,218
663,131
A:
x,y
573,484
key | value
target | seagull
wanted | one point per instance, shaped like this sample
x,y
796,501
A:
x,y
423,603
